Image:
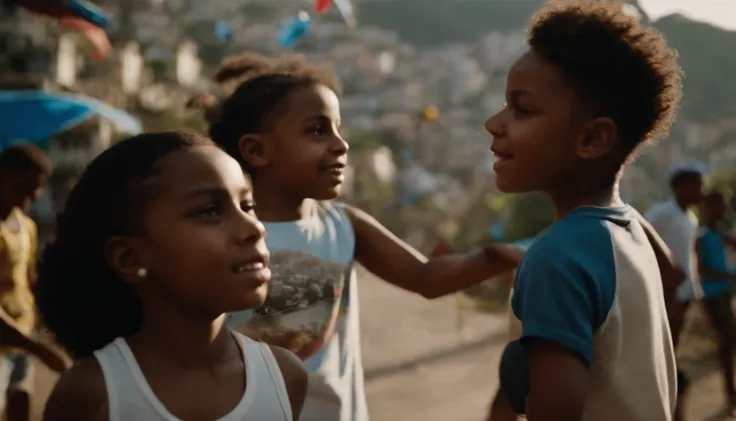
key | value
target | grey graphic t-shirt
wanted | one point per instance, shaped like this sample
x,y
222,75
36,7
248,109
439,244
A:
x,y
312,310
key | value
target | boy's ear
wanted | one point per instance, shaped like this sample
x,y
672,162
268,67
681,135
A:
x,y
599,138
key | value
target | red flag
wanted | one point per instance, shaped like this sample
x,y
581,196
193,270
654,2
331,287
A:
x,y
94,34
321,6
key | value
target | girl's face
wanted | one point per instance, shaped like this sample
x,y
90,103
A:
x,y
200,242
302,153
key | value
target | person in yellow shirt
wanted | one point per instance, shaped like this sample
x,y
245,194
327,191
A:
x,y
24,170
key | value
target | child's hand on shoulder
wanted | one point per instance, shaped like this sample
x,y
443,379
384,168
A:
x,y
509,253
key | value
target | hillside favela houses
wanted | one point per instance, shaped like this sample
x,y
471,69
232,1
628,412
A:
x,y
392,67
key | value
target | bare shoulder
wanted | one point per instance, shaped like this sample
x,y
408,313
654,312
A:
x,y
295,377
359,218
28,221
80,394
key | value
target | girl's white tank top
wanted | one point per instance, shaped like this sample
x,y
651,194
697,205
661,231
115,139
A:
x,y
130,397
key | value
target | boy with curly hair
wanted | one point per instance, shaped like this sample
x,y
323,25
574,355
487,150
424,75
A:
x,y
594,86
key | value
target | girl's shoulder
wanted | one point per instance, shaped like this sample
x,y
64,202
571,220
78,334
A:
x,y
80,394
294,374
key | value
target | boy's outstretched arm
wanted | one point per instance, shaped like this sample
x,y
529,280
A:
x,y
390,258
13,337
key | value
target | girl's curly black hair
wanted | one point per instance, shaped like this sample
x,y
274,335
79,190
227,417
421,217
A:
x,y
263,84
82,302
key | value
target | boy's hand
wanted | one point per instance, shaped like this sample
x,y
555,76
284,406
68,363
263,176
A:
x,y
507,253
13,337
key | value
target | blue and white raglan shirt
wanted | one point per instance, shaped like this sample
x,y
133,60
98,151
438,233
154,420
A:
x,y
591,283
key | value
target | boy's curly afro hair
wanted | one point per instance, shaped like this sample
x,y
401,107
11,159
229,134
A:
x,y
621,68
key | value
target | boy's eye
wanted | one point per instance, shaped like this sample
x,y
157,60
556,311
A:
x,y
248,206
522,111
320,130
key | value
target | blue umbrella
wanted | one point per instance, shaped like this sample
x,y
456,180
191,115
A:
x,y
88,12
34,116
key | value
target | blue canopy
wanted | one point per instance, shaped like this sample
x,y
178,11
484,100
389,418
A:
x,y
34,116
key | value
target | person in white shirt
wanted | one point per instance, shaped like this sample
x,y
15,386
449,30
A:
x,y
677,224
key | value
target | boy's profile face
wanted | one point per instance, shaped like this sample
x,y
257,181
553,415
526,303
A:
x,y
20,190
304,152
539,136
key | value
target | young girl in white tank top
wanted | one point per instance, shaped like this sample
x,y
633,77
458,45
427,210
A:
x,y
157,242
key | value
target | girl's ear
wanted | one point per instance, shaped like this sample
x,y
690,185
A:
x,y
125,260
254,150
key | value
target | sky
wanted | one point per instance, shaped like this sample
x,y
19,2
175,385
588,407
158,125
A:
x,y
717,12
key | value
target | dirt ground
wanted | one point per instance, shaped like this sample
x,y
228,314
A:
x,y
425,360
455,379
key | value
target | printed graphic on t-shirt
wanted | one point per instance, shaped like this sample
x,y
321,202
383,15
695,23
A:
x,y
303,303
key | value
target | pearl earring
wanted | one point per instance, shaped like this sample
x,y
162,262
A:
x,y
142,272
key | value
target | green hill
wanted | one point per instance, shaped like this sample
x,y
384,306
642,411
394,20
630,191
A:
x,y
707,54
431,23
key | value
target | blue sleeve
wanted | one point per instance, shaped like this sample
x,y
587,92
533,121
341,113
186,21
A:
x,y
709,244
565,288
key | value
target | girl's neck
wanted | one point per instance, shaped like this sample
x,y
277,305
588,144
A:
x,y
180,339
274,206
